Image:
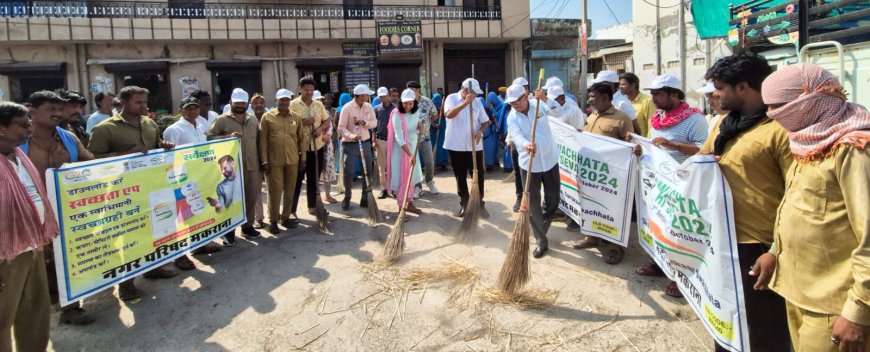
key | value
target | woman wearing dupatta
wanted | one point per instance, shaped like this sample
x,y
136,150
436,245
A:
x,y
402,138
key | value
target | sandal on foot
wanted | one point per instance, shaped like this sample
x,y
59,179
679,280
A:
x,y
672,290
588,242
649,269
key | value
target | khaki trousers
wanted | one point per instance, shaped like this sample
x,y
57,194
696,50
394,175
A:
x,y
258,215
382,162
811,331
253,185
24,308
282,182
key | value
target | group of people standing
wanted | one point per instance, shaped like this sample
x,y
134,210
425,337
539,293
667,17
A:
x,y
792,148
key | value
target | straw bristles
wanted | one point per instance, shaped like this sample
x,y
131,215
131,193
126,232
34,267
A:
x,y
454,272
515,271
395,243
374,214
322,216
522,299
472,209
510,178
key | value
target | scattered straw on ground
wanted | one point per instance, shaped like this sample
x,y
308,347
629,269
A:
x,y
528,298
454,272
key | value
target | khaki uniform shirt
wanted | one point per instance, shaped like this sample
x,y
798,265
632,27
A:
x,y
755,164
116,135
612,123
645,108
303,111
227,124
281,138
55,156
822,239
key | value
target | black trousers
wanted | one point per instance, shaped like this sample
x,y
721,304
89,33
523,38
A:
x,y
765,310
541,215
310,179
518,184
462,167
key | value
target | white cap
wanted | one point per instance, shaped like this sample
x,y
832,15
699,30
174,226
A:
x,y
283,93
606,76
665,81
555,92
707,88
514,93
317,95
408,95
382,91
239,96
521,81
553,82
472,84
362,89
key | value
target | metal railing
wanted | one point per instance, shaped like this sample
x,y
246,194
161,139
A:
x,y
162,9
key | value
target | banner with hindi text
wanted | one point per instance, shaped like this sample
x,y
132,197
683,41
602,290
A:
x,y
123,216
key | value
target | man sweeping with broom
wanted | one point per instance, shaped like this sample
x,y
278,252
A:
x,y
466,121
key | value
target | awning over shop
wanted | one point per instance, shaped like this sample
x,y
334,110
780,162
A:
x,y
213,65
137,67
33,68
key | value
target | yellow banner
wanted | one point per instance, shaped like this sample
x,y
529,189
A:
x,y
123,216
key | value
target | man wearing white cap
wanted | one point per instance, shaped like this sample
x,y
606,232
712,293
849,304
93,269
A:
x,y
545,161
716,113
239,123
428,113
354,122
458,108
382,113
315,123
677,127
511,158
619,100
570,113
281,139
377,100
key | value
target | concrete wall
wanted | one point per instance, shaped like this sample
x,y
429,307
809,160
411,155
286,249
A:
x,y
700,54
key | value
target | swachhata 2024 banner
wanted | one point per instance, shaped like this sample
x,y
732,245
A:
x,y
686,223
123,216
598,177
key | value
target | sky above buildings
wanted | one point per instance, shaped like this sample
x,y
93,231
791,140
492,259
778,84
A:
x,y
619,11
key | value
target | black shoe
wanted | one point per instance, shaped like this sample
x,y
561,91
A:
x,y
229,239
539,252
250,232
76,316
290,224
345,204
460,213
364,200
517,205
273,229
383,195
259,225
573,227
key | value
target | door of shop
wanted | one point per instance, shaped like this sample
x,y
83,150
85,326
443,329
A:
x,y
489,67
151,75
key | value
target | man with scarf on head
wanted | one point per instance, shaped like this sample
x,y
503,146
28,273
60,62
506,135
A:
x,y
26,227
821,257
753,154
50,146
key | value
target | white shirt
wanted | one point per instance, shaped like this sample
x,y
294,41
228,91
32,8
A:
x,y
520,128
95,120
622,103
208,120
183,132
30,186
569,113
457,136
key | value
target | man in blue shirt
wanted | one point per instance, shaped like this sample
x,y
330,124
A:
x,y
544,160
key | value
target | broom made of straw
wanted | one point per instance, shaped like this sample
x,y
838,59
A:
x,y
395,243
373,212
320,212
472,208
515,271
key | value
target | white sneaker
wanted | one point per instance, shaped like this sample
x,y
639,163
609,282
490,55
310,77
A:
x,y
418,191
432,188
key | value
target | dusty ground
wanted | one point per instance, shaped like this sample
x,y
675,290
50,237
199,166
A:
x,y
304,290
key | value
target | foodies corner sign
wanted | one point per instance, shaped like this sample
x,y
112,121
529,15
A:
x,y
399,37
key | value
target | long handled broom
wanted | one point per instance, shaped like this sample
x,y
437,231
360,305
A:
x,y
395,243
515,270
374,213
320,211
472,208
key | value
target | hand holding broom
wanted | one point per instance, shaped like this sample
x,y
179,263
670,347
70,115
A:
x,y
515,271
320,211
373,212
394,246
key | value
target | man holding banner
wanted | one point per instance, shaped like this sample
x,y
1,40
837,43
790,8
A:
x,y
608,121
754,155
545,160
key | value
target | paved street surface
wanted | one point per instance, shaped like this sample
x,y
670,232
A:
x,y
304,290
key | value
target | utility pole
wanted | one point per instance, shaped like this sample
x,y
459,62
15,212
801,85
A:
x,y
658,42
682,27
584,59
